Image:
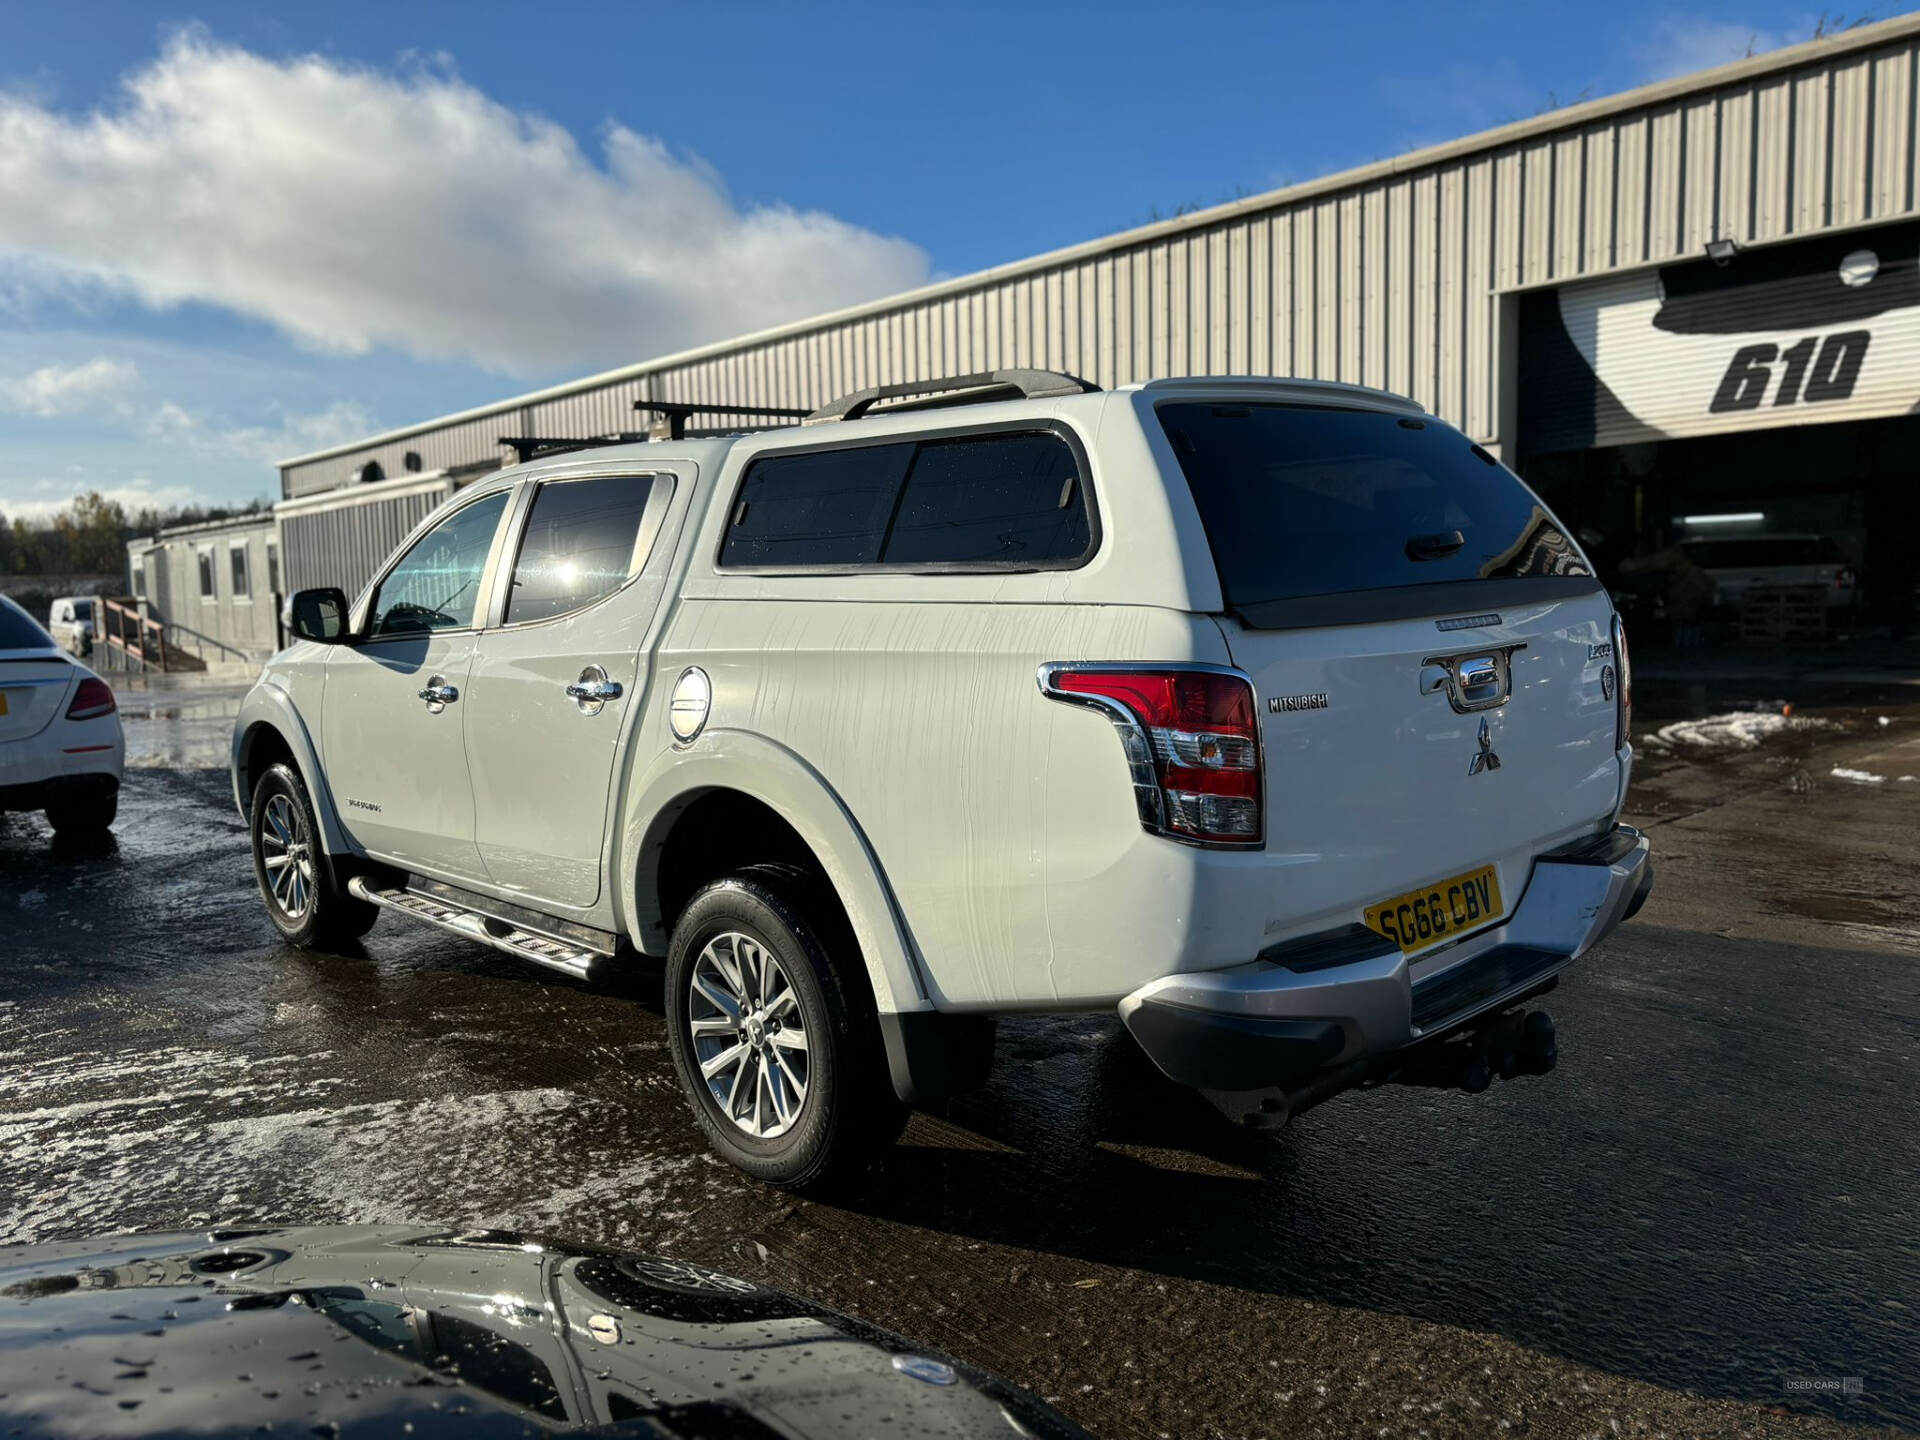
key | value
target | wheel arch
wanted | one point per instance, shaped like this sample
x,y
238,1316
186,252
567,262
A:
x,y
269,731
761,773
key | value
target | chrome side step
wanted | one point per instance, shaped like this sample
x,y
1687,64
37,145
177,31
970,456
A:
x,y
562,955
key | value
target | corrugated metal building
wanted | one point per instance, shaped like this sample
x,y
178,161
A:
x,y
1520,283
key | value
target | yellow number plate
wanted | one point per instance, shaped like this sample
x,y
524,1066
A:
x,y
1439,911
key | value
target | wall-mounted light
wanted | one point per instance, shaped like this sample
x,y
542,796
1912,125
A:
x,y
1732,517
1721,251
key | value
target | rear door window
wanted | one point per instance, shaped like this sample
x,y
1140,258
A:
x,y
999,501
578,545
1302,501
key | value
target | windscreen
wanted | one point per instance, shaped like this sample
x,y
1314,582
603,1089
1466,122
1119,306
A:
x,y
1303,501
1758,551
18,632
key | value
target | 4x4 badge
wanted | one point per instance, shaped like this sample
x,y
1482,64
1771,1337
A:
x,y
1486,759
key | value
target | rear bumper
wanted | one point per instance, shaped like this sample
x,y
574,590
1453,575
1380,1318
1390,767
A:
x,y
39,794
1343,998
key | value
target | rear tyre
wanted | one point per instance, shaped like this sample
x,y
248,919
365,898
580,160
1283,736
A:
x,y
291,868
773,1034
79,816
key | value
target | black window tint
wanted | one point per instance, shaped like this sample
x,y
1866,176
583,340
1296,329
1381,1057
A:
x,y
997,499
206,575
19,631
437,584
237,559
826,509
578,544
1299,501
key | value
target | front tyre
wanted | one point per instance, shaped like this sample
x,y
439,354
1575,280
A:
x,y
773,1034
291,868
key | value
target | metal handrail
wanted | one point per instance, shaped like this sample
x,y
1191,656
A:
x,y
204,640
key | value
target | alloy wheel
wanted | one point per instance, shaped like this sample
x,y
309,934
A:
x,y
749,1035
286,851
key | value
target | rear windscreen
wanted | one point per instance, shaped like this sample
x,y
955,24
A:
x,y
1763,550
17,632
1300,501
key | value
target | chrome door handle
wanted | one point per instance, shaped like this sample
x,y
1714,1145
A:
x,y
593,689
596,691
438,694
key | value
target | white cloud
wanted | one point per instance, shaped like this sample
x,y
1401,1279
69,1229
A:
x,y
1682,44
353,208
174,424
134,495
62,389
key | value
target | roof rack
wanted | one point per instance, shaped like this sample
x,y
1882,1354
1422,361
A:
x,y
956,390
533,447
674,413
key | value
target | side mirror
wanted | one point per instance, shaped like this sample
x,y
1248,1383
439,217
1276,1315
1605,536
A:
x,y
319,615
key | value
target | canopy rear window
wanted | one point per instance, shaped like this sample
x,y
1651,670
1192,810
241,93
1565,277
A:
x,y
1303,501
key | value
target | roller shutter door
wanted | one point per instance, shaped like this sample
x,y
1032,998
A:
x,y
1817,331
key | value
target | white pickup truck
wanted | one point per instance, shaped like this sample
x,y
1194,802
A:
x,y
1276,717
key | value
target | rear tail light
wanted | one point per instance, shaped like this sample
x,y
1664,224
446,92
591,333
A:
x,y
93,699
1192,742
1843,579
1623,700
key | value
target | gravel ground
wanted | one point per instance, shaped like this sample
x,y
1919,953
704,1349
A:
x,y
1712,1197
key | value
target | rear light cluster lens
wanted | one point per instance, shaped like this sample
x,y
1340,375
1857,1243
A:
x,y
1191,743
93,699
1623,705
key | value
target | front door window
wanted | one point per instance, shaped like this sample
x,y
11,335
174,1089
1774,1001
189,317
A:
x,y
436,585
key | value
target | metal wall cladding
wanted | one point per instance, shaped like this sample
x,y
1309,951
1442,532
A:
x,y
345,545
1390,276
1820,330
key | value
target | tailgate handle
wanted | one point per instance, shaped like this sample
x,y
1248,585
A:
x,y
1475,680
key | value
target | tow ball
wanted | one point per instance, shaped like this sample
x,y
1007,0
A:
x,y
1520,1042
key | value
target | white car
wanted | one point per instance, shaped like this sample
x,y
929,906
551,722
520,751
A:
x,y
72,623
1739,563
61,749
1275,717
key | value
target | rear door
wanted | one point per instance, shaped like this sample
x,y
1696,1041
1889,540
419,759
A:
x,y
580,585
1431,652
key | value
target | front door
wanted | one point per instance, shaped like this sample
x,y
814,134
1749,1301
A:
x,y
555,680
391,729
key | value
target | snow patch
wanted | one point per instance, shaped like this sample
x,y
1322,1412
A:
x,y
1736,730
1858,777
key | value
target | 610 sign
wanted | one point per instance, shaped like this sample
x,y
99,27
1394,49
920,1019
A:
x,y
1827,372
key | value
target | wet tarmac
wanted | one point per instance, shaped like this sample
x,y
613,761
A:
x,y
1709,1205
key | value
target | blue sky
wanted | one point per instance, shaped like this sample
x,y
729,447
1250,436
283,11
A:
x,y
227,235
